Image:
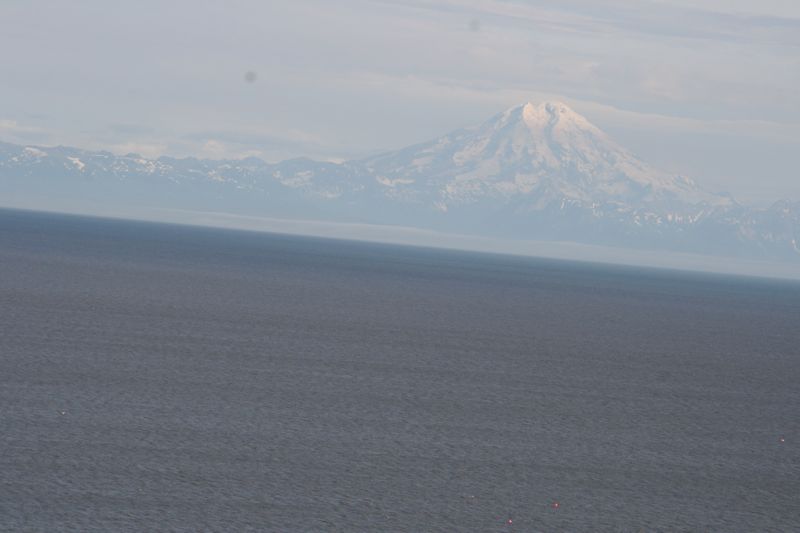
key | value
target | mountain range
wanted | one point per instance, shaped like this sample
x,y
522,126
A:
x,y
533,172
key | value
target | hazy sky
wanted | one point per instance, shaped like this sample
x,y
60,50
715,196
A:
x,y
708,88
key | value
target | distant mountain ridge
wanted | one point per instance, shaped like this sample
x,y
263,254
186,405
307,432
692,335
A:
x,y
540,172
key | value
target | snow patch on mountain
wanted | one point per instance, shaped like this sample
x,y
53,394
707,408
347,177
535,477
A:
x,y
34,152
77,163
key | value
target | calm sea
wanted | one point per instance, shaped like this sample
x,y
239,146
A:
x,y
157,377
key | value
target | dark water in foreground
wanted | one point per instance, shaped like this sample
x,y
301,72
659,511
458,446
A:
x,y
170,378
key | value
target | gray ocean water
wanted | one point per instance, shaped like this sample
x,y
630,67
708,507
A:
x,y
157,377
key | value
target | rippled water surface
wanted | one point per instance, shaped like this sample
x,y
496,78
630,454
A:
x,y
159,377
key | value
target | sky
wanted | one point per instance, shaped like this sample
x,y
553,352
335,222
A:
x,y
704,88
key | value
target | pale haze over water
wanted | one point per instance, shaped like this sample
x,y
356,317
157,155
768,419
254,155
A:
x,y
161,377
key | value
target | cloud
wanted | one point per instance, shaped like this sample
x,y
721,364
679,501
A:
x,y
131,129
12,131
148,150
13,126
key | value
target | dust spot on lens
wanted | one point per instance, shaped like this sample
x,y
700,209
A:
x,y
250,76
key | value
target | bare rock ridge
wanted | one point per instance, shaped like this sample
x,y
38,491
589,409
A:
x,y
532,172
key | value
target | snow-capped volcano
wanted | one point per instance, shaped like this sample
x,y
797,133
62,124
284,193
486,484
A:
x,y
547,152
540,172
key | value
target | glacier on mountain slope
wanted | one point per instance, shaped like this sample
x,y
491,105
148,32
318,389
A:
x,y
532,172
